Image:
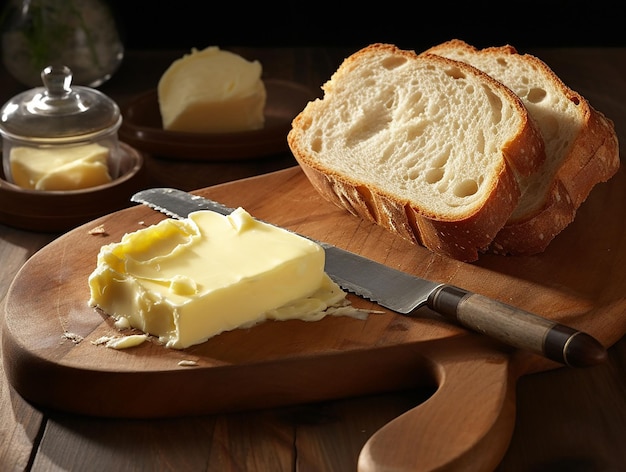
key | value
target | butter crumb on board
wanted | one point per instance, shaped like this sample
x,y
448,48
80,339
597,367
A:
x,y
185,281
121,342
75,338
212,91
98,230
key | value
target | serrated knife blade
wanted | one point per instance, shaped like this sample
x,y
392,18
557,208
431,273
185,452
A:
x,y
405,293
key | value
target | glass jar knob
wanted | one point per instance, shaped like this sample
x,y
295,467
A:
x,y
57,80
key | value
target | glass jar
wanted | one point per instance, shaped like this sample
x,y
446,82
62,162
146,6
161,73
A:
x,y
59,120
81,34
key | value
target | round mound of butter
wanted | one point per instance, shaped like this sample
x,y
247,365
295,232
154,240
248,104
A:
x,y
212,91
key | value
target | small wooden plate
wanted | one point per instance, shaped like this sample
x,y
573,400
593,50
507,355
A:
x,y
142,127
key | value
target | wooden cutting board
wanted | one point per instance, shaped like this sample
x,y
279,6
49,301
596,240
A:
x,y
51,360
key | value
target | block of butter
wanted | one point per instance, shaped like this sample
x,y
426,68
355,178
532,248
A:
x,y
212,91
67,168
188,280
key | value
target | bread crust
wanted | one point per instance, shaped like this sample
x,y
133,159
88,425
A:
x,y
594,159
460,238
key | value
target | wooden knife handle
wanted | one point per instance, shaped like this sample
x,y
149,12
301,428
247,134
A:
x,y
516,327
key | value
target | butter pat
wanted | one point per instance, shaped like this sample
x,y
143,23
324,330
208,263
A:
x,y
68,168
186,281
212,91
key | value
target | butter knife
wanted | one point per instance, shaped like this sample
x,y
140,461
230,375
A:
x,y
404,293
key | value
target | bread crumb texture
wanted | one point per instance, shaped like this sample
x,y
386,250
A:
x,y
451,146
580,144
427,137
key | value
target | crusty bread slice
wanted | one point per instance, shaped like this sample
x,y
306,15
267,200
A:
x,y
580,143
426,147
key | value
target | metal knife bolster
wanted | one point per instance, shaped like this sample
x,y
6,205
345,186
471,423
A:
x,y
405,293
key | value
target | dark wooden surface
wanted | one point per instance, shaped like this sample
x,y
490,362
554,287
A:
x,y
567,419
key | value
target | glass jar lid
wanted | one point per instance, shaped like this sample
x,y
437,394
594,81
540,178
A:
x,y
58,112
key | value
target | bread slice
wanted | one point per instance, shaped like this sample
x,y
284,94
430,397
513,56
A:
x,y
580,143
426,147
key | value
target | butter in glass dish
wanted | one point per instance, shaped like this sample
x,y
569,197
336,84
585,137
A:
x,y
59,136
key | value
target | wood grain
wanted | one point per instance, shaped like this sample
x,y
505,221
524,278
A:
x,y
566,419
286,363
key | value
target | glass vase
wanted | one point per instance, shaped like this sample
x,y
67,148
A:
x,y
79,34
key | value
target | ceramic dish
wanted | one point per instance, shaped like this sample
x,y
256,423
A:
x,y
58,211
142,128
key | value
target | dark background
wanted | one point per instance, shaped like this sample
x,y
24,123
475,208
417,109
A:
x,y
415,25
183,24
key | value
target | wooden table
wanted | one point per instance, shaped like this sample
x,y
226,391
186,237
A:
x,y
567,419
